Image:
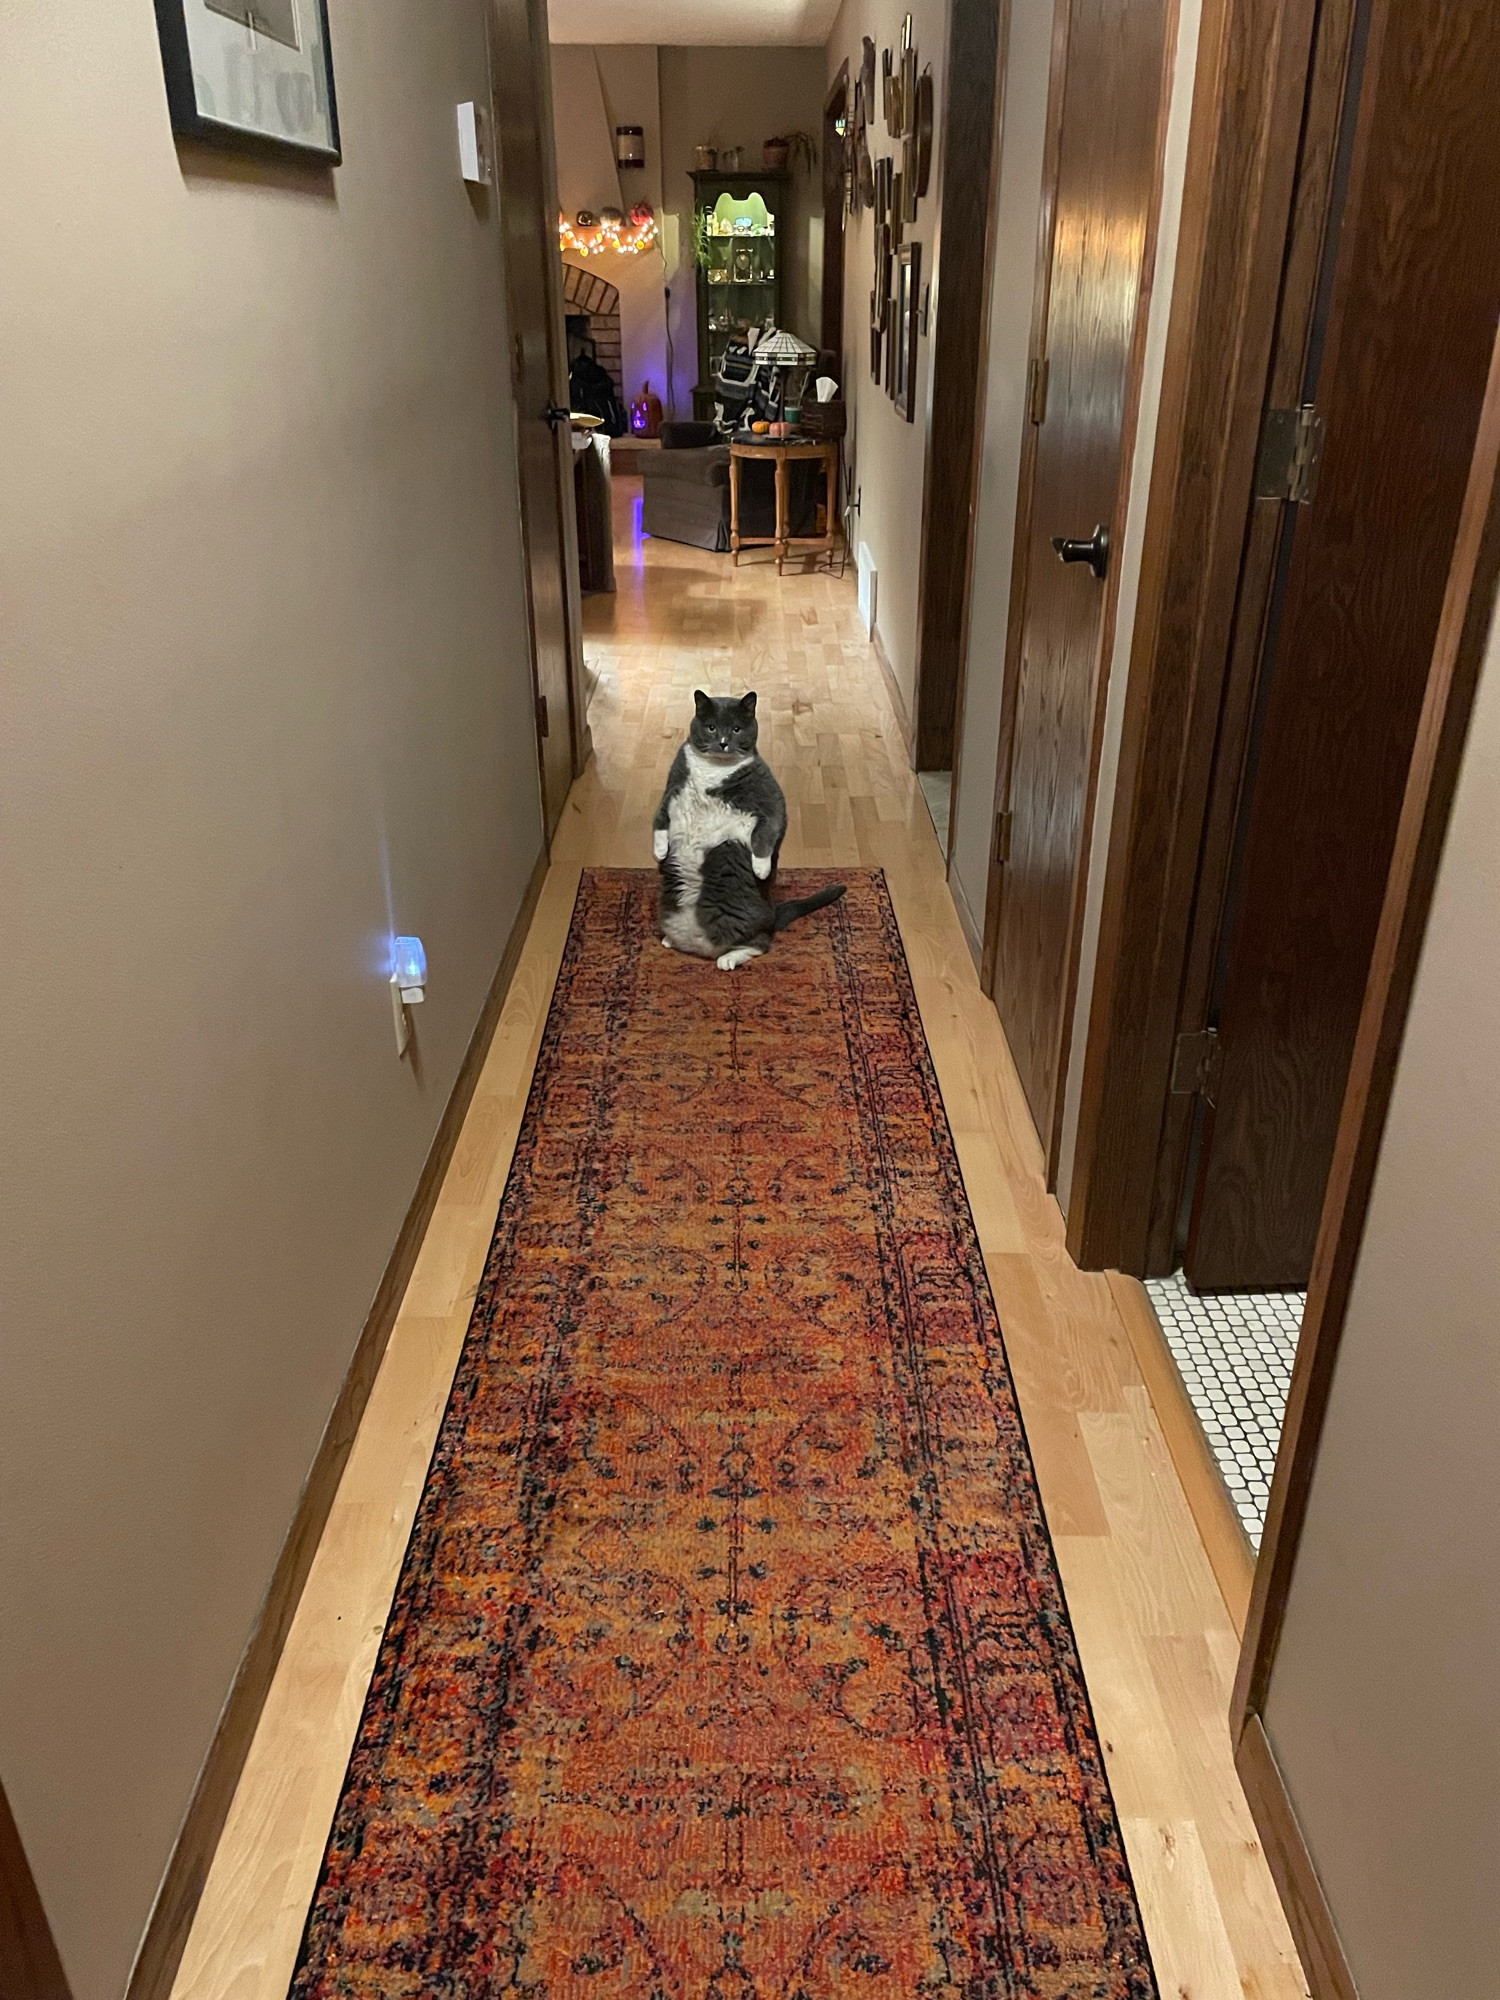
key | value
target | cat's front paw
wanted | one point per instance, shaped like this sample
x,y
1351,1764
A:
x,y
659,843
761,863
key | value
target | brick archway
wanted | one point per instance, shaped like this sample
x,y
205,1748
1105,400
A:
x,y
587,293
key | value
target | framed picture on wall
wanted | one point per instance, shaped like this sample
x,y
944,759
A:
x,y
906,313
253,73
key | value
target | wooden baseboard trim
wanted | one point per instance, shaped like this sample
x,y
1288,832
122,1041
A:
x,y
1313,1931
176,1903
898,699
30,1968
1229,1552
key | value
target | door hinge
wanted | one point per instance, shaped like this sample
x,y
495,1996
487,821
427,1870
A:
x,y
1002,839
541,716
1291,450
1037,371
1196,1063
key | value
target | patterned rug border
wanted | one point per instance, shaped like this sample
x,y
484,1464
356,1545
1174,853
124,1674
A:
x,y
800,881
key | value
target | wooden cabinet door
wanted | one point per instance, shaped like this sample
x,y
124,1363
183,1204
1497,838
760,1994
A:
x,y
1106,104
1398,376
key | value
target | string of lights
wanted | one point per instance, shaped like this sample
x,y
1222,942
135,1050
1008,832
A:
x,y
588,235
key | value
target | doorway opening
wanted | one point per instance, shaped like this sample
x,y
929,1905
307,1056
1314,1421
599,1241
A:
x,y
970,152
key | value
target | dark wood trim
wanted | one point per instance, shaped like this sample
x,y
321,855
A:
x,y
580,735
1020,561
958,355
182,1885
1249,98
1307,1913
1225,1542
893,689
1463,633
30,1968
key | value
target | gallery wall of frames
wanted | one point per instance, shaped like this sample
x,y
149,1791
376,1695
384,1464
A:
x,y
892,186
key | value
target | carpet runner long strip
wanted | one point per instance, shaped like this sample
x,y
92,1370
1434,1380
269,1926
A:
x,y
729,1659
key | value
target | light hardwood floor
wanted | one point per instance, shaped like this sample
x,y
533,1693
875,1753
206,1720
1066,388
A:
x,y
1157,1643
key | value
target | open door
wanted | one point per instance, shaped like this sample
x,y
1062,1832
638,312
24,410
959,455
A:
x,y
835,203
1396,369
1106,104
521,81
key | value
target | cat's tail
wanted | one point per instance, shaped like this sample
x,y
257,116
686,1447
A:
x,y
802,906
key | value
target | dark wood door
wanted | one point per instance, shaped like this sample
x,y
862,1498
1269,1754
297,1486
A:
x,y
1398,376
835,147
521,82
1106,106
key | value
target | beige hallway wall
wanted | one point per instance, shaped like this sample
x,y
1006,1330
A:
x,y
1382,1704
266,699
890,454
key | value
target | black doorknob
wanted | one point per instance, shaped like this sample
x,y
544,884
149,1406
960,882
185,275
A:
x,y
1094,552
554,415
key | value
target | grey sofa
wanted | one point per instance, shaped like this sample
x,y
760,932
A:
x,y
685,487
685,491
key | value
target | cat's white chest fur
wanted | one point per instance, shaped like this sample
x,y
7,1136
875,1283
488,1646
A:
x,y
696,822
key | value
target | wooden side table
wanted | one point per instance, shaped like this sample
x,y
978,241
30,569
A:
x,y
782,452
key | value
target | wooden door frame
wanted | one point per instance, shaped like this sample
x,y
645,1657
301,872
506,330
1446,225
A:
x,y
1251,89
831,315
30,1968
958,357
1463,635
1021,549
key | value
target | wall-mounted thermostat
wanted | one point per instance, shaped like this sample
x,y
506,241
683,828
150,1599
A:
x,y
474,144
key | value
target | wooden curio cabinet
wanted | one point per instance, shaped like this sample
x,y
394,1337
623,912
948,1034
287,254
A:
x,y
739,223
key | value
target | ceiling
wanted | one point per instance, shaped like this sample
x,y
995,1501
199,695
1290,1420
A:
x,y
710,23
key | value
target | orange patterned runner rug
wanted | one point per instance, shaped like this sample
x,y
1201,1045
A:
x,y
729,1660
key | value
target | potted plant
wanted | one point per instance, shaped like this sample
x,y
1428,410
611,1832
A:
x,y
702,255
792,149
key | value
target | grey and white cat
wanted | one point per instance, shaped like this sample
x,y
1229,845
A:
x,y
717,836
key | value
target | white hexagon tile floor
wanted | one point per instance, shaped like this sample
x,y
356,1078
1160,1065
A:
x,y
1234,1351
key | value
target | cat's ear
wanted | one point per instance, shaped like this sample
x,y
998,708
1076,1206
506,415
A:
x,y
702,703
747,702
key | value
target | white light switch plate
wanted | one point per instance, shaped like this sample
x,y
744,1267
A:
x,y
473,144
